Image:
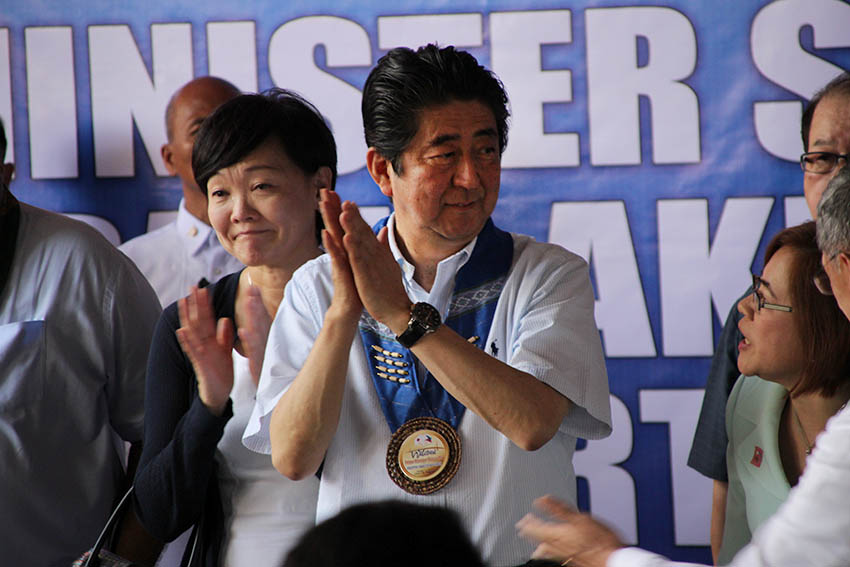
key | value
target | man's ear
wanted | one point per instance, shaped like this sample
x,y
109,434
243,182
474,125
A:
x,y
168,158
844,261
381,170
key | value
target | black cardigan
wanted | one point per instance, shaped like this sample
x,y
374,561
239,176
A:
x,y
177,482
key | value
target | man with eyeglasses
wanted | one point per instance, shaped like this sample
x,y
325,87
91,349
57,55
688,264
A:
x,y
825,129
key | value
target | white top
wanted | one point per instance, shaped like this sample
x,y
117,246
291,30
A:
x,y
811,528
176,256
543,325
76,320
271,511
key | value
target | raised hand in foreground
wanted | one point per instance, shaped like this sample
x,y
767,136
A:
x,y
569,537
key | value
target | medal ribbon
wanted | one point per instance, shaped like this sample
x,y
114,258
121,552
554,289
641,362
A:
x,y
402,392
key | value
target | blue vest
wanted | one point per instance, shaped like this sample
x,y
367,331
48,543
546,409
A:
x,y
404,394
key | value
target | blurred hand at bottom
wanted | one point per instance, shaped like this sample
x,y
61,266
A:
x,y
568,536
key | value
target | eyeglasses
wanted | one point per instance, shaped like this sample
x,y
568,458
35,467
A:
x,y
821,162
759,298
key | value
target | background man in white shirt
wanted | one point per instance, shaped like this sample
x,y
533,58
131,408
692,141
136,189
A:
x,y
185,251
360,349
76,320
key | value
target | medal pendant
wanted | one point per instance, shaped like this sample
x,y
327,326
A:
x,y
423,455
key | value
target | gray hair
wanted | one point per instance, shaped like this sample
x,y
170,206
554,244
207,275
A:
x,y
833,224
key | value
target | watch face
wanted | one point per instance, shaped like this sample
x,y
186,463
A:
x,y
427,315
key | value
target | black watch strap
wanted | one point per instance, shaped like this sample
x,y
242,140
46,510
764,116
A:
x,y
424,319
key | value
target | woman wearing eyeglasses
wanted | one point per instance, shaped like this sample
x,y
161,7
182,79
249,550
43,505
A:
x,y
795,365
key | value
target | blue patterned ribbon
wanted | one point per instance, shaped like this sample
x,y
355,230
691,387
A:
x,y
403,393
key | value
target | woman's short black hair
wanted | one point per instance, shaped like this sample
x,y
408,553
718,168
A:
x,y
241,125
405,82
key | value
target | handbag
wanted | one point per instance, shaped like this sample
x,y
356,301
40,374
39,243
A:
x,y
99,557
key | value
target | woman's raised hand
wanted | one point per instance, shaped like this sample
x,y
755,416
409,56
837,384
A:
x,y
209,346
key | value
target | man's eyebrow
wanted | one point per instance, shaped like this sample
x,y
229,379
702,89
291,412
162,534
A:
x,y
486,132
443,138
822,142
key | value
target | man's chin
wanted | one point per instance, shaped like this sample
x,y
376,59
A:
x,y
461,235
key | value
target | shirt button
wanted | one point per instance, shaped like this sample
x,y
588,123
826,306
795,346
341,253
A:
x,y
193,231
217,271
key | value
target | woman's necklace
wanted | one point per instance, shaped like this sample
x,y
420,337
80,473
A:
x,y
809,446
802,431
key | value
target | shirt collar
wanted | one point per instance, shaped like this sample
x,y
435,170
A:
x,y
193,232
453,263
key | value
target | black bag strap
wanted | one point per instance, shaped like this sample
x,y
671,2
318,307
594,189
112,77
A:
x,y
94,561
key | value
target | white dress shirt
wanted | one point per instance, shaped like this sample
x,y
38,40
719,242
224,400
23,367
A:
x,y
178,255
812,527
543,325
76,320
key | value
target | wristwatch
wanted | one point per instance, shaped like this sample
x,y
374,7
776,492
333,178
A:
x,y
424,319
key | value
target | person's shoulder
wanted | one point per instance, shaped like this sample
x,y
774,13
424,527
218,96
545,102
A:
x,y
316,269
151,243
69,246
751,395
59,232
530,252
758,387
223,293
312,283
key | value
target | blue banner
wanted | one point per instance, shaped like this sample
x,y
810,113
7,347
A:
x,y
659,140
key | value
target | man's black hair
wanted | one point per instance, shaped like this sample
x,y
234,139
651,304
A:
x,y
242,124
388,533
840,85
405,82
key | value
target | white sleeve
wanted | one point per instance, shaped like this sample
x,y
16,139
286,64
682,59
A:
x,y
293,331
811,527
554,335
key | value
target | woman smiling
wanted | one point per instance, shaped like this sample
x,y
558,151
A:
x,y
262,160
